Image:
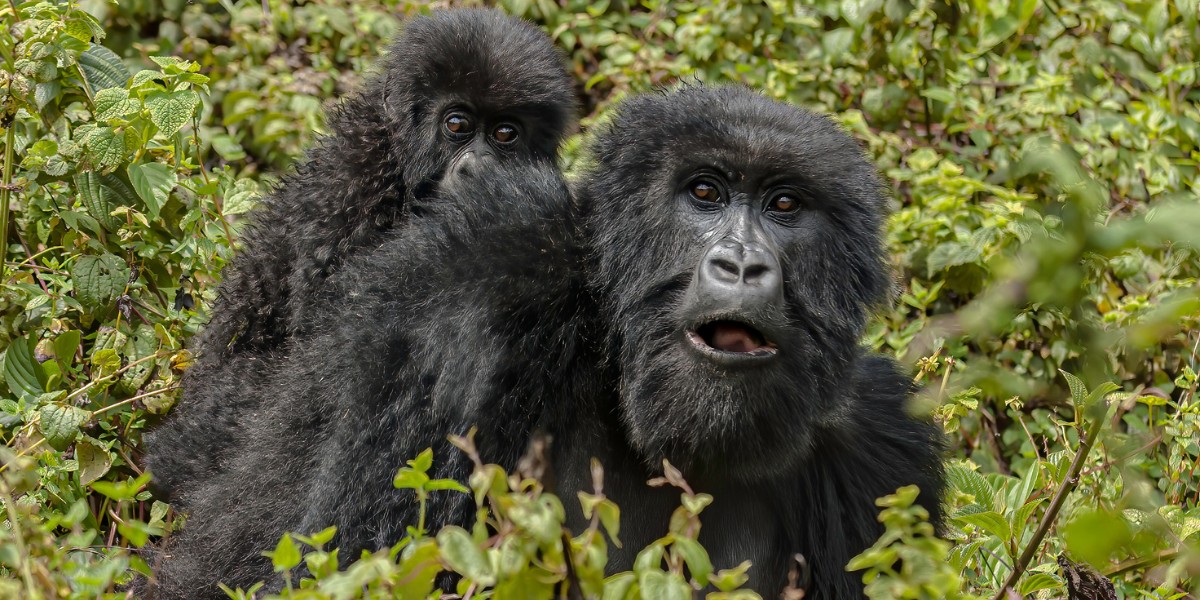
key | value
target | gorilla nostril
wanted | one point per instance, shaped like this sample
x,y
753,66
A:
x,y
755,273
725,269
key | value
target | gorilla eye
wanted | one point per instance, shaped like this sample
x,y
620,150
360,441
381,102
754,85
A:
x,y
505,134
705,192
458,125
784,203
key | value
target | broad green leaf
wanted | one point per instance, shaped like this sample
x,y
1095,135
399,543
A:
x,y
94,460
170,111
663,586
240,197
115,103
698,563
1038,581
153,183
22,372
99,280
106,147
619,586
1078,389
407,478
989,521
418,569
138,344
968,481
102,68
59,424
461,554
65,346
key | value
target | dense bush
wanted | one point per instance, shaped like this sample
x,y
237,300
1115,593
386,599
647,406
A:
x,y
1045,162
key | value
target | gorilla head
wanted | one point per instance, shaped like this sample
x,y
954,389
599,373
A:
x,y
473,85
737,243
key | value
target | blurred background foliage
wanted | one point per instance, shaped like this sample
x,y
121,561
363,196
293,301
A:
x,y
1043,158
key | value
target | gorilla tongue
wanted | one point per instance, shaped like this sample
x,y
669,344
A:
x,y
732,336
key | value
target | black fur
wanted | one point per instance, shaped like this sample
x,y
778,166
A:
x,y
438,330
377,169
795,448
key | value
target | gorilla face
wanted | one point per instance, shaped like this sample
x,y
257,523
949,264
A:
x,y
474,85
737,248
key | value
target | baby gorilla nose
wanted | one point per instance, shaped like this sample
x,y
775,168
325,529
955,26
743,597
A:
x,y
734,274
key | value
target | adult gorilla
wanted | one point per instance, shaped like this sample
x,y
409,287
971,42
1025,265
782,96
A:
x,y
458,87
466,317
736,253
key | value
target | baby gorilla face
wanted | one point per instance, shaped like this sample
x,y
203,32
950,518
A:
x,y
474,86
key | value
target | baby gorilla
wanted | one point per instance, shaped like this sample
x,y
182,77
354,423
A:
x,y
458,88
437,332
736,251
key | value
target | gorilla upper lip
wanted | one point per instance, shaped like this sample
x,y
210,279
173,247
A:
x,y
731,338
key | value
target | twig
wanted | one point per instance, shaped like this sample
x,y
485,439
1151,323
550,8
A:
x,y
1068,485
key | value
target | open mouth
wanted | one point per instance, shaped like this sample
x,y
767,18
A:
x,y
731,338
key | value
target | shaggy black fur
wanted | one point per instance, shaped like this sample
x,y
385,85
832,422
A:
x,y
721,219
389,147
466,317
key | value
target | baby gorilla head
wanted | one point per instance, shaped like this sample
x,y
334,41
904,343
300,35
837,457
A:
x,y
473,85
737,244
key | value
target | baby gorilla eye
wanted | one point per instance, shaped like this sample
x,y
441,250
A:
x,y
705,192
505,133
784,203
457,125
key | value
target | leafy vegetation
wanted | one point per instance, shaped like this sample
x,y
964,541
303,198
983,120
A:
x,y
1045,162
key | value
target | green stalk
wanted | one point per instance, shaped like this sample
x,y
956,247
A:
x,y
5,191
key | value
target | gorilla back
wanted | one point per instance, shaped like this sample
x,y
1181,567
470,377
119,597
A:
x,y
736,253
466,318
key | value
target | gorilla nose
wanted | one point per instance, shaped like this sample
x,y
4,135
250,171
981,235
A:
x,y
741,273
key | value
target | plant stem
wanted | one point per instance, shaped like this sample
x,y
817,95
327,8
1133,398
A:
x,y
1068,485
5,191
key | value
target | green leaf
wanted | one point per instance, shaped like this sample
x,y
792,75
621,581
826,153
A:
x,y
989,521
696,558
1078,390
99,279
153,183
115,103
663,586
408,479
102,68
732,578
105,147
170,111
65,346
968,481
461,554
618,587
446,484
423,461
59,423
286,554
1036,582
94,460
240,197
22,372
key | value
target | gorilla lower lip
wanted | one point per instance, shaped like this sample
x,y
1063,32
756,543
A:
x,y
731,337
